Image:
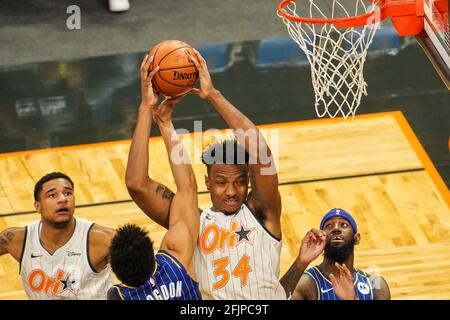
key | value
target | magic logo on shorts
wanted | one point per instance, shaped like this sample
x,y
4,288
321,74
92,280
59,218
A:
x,y
61,282
215,237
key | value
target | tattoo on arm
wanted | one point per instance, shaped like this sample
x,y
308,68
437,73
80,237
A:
x,y
291,278
166,193
6,236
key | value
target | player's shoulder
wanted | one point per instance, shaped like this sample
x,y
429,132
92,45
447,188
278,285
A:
x,y
12,235
100,234
381,287
12,241
377,280
309,275
98,230
15,230
308,278
99,242
313,275
306,288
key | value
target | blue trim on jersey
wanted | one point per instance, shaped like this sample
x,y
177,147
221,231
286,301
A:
x,y
363,285
169,281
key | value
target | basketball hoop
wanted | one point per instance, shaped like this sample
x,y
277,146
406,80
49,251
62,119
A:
x,y
336,44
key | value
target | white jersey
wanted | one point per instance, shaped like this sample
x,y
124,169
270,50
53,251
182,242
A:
x,y
237,258
65,274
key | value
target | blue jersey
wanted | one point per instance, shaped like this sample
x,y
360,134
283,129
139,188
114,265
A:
x,y
170,281
364,288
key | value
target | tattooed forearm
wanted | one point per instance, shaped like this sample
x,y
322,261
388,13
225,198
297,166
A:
x,y
291,277
165,192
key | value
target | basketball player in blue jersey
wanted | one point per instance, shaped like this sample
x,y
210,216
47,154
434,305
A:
x,y
335,278
168,275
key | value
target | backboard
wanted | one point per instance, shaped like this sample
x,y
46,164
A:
x,y
435,37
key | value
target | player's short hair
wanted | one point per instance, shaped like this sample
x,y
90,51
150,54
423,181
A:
x,y
229,151
48,177
132,256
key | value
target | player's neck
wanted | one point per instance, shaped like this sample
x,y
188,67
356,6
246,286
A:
x,y
52,238
328,265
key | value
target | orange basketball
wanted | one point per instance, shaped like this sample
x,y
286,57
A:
x,y
177,73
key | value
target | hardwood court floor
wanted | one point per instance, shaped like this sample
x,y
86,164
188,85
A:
x,y
373,166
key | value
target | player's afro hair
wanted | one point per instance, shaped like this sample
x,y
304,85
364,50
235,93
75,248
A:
x,y
132,256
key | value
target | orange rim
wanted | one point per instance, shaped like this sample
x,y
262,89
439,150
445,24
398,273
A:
x,y
355,21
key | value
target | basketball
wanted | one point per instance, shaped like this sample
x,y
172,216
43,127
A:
x,y
177,73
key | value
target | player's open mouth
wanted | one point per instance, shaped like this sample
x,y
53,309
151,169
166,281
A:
x,y
62,210
337,239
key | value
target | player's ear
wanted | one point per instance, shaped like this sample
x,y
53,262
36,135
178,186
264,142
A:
x,y
207,182
357,238
37,206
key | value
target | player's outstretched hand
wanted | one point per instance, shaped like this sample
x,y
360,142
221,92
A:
x,y
206,85
162,114
149,97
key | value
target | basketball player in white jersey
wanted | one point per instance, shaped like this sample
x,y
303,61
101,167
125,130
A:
x,y
238,253
60,256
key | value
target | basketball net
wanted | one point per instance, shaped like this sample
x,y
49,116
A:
x,y
336,55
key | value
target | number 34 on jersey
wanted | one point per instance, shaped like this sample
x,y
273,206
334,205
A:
x,y
215,239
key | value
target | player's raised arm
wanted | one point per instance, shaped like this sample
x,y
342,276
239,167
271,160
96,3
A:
x,y
178,157
151,196
311,247
264,197
184,219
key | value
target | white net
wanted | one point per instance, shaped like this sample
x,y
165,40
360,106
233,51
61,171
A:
x,y
336,55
